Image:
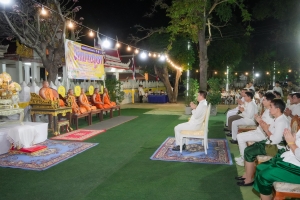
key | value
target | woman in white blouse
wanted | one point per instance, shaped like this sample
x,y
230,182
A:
x,y
284,167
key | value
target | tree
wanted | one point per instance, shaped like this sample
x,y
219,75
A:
x,y
44,34
196,18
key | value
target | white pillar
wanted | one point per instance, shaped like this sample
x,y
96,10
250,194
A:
x,y
34,71
117,76
38,75
3,67
27,74
65,78
19,68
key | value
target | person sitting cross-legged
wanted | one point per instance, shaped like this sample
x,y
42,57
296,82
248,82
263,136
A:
x,y
97,99
245,118
274,133
83,102
257,134
284,167
196,121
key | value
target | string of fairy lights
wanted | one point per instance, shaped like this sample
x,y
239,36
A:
x,y
44,11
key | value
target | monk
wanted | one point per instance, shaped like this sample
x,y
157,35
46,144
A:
x,y
83,102
106,100
97,99
50,94
75,108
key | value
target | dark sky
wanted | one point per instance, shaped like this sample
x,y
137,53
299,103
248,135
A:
x,y
118,17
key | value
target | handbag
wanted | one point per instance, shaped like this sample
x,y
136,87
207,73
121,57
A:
x,y
271,149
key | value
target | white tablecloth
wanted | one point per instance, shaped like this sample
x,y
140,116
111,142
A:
x,y
22,136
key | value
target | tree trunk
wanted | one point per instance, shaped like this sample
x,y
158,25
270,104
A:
x,y
163,74
203,58
52,72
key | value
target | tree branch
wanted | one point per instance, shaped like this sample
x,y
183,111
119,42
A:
x,y
150,31
215,4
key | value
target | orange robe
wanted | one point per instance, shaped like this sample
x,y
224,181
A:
x,y
52,95
107,102
75,108
85,103
98,101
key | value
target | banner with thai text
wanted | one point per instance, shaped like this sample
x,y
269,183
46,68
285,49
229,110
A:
x,y
83,62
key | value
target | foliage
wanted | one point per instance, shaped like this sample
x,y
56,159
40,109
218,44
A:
x,y
44,34
192,92
114,89
214,94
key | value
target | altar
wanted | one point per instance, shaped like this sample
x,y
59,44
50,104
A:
x,y
158,99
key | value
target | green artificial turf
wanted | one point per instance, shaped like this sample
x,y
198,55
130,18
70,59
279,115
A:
x,y
120,168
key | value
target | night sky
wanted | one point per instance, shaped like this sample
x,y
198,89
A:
x,y
118,17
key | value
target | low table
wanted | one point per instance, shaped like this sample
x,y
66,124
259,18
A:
x,y
158,99
53,116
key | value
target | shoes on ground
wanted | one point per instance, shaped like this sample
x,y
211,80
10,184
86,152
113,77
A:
x,y
229,134
239,159
177,148
239,178
234,141
240,163
242,183
226,129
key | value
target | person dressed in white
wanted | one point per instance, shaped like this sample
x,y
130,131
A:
x,y
278,88
295,109
257,134
196,121
289,101
235,110
141,93
246,116
250,84
274,133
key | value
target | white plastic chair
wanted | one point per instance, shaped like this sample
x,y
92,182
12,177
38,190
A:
x,y
201,134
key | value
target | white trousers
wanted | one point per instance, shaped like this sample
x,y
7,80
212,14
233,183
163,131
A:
x,y
231,113
236,123
184,126
248,136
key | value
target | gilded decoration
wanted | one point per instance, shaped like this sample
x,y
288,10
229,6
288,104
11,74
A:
x,y
36,101
24,51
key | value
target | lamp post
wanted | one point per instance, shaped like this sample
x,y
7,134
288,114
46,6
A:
x,y
227,79
188,75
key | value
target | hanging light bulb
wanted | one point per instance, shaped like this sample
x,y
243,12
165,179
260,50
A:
x,y
91,33
106,43
154,55
118,45
143,55
162,58
128,48
136,51
71,25
158,55
43,11
149,54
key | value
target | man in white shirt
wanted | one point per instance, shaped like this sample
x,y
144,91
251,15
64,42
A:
x,y
235,110
250,84
141,93
274,132
278,88
257,134
295,109
245,118
196,121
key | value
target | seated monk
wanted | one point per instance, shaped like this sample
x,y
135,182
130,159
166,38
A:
x,y
97,99
83,102
50,94
75,108
106,100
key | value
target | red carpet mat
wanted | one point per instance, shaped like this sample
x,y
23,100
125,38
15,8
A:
x,y
78,135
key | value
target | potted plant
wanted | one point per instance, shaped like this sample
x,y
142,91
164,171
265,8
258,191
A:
x,y
214,94
190,94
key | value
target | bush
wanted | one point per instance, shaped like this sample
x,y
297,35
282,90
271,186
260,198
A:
x,y
192,92
214,94
114,89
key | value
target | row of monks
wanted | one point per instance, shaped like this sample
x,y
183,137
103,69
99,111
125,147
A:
x,y
83,104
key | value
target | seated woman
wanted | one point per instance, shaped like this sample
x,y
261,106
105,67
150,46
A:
x,y
83,102
284,167
75,108
106,100
97,99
